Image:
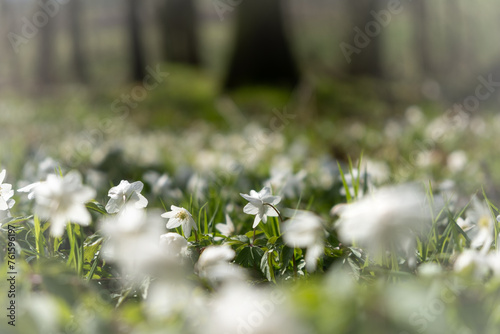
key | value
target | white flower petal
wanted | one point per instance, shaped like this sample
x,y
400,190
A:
x,y
256,221
80,215
265,192
142,202
135,187
168,215
273,200
3,204
251,209
114,205
270,212
174,223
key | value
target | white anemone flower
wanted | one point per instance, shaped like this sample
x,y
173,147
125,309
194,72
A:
x,y
261,205
62,200
240,308
214,265
126,192
290,185
180,216
30,189
479,225
388,217
226,229
472,263
6,192
173,244
305,230
133,242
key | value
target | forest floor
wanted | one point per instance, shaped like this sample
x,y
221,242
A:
x,y
357,159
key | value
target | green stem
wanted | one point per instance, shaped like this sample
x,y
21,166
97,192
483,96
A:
x,y
38,236
294,262
274,208
94,266
72,245
294,265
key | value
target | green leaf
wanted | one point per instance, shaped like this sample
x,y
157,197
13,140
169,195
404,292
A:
x,y
266,265
346,186
286,255
249,256
91,246
16,220
97,207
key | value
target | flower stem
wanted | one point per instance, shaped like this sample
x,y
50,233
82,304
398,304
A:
x,y
294,265
274,208
253,239
293,257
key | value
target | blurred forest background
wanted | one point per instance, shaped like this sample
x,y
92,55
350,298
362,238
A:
x,y
333,60
437,46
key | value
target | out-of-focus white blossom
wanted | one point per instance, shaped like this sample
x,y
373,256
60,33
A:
x,y
197,185
456,161
351,179
286,183
305,230
414,115
214,265
6,192
226,229
479,225
62,200
173,244
161,185
133,242
472,263
389,217
239,308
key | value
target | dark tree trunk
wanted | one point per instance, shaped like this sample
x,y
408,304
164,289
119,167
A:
x,y
178,23
79,64
262,54
368,62
136,51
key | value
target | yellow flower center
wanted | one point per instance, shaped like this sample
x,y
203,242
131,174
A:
x,y
484,222
182,215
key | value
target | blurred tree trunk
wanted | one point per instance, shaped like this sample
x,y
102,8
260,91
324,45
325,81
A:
x,y
8,13
79,63
422,38
46,54
368,61
138,65
178,24
262,54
